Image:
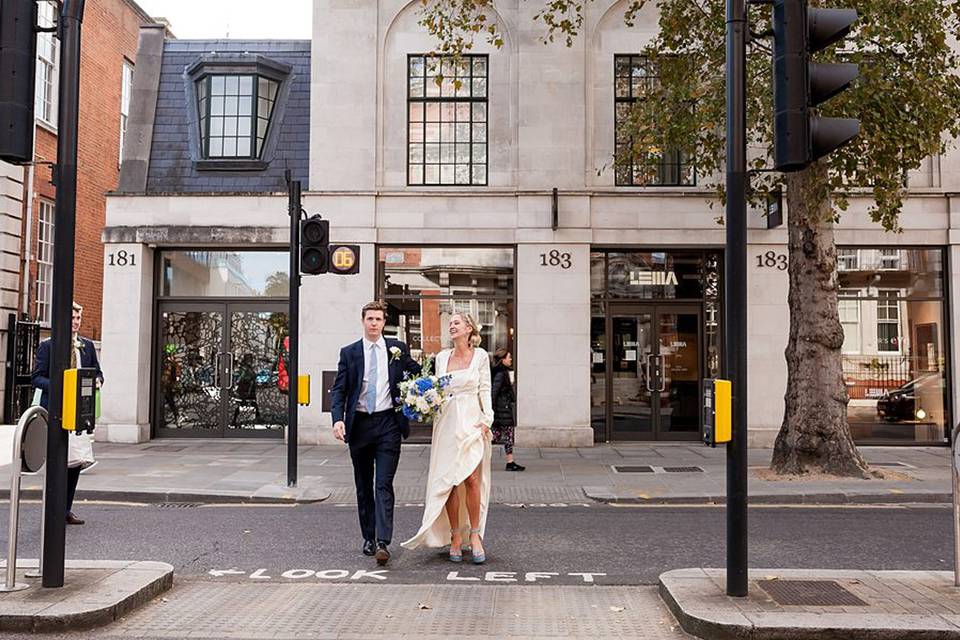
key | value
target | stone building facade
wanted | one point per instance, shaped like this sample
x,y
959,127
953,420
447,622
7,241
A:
x,y
492,195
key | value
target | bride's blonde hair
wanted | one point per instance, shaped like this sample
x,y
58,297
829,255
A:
x,y
475,337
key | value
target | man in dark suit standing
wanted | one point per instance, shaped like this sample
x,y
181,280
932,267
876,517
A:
x,y
83,354
363,403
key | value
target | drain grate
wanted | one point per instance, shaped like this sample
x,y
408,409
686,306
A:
x,y
824,593
683,469
632,469
165,448
178,505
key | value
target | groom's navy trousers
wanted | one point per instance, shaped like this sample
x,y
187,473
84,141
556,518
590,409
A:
x,y
375,451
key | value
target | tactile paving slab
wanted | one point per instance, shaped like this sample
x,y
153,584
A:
x,y
202,609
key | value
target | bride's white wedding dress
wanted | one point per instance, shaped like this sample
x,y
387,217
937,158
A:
x,y
457,448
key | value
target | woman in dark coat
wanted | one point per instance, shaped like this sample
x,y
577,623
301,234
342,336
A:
x,y
504,405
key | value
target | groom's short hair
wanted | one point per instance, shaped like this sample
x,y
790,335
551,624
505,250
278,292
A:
x,y
376,305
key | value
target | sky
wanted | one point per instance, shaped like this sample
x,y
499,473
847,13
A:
x,y
239,19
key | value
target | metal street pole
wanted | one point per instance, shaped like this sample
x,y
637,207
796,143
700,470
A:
x,y
735,288
55,509
293,365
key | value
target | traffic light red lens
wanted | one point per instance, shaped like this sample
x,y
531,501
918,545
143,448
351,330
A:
x,y
313,233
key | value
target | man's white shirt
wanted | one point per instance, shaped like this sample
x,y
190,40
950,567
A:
x,y
383,376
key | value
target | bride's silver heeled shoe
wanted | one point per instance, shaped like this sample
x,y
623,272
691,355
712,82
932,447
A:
x,y
478,558
458,557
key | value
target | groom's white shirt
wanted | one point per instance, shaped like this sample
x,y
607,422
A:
x,y
383,376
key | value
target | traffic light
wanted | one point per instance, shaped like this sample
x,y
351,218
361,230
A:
x,y
314,245
18,58
799,84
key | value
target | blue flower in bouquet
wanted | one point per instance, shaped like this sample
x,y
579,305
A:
x,y
422,397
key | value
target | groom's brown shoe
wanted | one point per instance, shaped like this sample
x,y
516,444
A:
x,y
382,555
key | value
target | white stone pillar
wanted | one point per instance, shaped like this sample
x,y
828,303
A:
x,y
768,329
553,346
343,63
330,319
126,357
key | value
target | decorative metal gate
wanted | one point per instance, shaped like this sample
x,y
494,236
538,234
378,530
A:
x,y
22,341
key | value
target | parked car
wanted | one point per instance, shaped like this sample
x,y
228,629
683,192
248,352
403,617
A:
x,y
901,404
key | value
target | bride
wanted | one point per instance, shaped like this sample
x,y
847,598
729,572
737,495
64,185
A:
x,y
458,484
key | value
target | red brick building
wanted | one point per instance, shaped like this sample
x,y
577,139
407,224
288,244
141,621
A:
x,y
110,35
109,47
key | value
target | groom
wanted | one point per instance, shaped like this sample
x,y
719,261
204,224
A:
x,y
363,401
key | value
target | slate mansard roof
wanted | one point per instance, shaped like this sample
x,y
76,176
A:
x,y
172,166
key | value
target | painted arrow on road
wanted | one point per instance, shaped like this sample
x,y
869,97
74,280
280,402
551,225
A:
x,y
219,573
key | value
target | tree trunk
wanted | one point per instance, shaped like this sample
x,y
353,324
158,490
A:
x,y
815,434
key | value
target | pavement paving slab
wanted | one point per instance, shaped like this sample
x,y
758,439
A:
x,y
240,472
95,593
813,604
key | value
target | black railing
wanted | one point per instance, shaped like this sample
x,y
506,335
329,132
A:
x,y
22,342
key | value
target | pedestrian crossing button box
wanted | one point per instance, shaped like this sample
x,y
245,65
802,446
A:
x,y
717,406
80,399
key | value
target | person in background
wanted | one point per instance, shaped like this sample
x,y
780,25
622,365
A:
x,y
82,354
504,405
245,389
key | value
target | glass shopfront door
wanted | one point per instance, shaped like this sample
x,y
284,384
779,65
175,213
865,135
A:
x,y
653,372
218,370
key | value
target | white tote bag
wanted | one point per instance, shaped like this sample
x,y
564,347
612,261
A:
x,y
80,451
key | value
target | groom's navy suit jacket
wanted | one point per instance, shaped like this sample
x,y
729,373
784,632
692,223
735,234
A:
x,y
345,392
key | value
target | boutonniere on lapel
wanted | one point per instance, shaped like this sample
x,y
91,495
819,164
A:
x,y
78,344
395,354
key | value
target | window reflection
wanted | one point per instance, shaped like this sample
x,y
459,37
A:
x,y
230,274
452,272
911,272
894,365
423,287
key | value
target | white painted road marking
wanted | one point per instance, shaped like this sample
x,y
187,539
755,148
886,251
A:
x,y
510,576
226,572
300,574
381,575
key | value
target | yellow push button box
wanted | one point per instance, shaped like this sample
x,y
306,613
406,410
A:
x,y
303,390
717,411
79,399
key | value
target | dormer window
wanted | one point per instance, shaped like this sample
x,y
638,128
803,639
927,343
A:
x,y
235,114
238,104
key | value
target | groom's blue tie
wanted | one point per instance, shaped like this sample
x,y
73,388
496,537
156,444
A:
x,y
371,400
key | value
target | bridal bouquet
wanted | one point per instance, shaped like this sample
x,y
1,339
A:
x,y
421,398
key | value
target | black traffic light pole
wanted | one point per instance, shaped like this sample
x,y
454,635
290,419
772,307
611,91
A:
x,y
735,290
54,516
293,357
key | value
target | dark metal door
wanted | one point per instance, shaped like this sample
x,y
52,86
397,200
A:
x,y
217,368
654,371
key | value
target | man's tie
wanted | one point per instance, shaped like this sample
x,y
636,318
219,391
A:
x,y
371,400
